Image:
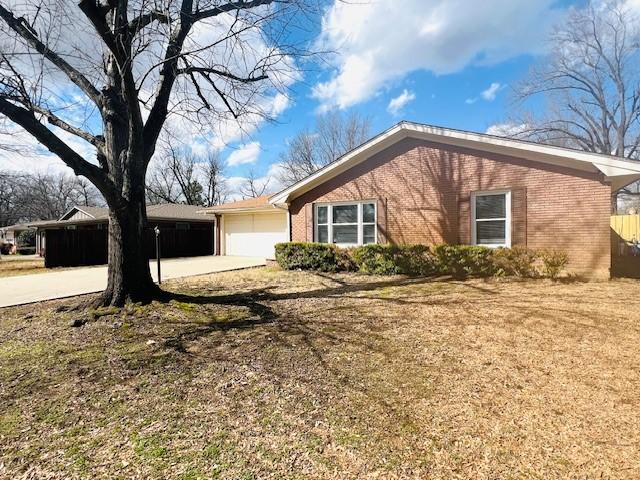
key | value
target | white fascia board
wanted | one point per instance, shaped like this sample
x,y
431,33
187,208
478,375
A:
x,y
268,209
611,167
373,146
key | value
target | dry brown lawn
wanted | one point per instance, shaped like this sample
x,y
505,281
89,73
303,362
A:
x,y
13,266
268,374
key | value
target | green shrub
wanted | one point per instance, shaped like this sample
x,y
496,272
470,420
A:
x,y
321,257
26,238
462,261
516,261
26,250
554,262
394,259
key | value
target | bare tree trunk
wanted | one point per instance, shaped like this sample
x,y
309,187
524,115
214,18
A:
x,y
129,276
173,74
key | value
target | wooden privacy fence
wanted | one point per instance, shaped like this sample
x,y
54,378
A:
x,y
74,248
625,262
626,226
81,247
624,230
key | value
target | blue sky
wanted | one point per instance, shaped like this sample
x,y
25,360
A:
x,y
450,63
444,82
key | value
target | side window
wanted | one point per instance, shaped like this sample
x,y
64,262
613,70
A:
x,y
492,219
346,224
322,224
368,223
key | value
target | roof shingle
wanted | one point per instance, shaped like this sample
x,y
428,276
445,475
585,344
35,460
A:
x,y
246,204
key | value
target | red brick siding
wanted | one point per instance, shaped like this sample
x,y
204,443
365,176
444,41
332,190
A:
x,y
426,189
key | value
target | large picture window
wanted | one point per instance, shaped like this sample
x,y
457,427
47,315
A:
x,y
491,219
346,224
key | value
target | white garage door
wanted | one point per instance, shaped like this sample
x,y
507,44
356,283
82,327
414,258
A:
x,y
254,234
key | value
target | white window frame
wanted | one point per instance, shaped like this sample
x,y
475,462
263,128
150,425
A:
x,y
507,218
360,223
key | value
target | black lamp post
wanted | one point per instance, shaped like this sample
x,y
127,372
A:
x,y
157,232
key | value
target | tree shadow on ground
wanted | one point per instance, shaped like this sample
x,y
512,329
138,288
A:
x,y
260,302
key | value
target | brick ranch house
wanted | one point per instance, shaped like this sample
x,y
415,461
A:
x,y
423,184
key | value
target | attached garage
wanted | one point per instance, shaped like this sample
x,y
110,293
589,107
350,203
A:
x,y
254,234
250,228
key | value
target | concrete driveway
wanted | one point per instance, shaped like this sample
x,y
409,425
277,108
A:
x,y
79,281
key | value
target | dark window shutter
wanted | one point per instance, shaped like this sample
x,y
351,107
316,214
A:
x,y
519,217
308,215
381,216
464,220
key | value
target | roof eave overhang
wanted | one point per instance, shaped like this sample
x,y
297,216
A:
x,y
619,172
67,223
262,209
204,219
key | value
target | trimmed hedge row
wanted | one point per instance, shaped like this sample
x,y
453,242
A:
x,y
320,257
460,261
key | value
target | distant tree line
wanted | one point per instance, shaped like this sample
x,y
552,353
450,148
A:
x,y
28,197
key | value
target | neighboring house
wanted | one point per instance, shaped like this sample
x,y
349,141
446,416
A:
x,y
80,236
11,233
422,184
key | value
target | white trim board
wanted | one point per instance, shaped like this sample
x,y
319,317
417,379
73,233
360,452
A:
x,y
619,171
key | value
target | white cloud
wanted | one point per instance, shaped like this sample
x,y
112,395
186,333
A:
x,y
247,153
270,179
490,93
187,125
506,129
398,103
428,35
20,152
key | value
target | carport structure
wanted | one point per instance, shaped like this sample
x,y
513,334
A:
x,y
80,236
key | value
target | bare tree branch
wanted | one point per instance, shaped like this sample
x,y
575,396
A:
x,y
254,186
333,136
19,26
46,137
594,102
222,73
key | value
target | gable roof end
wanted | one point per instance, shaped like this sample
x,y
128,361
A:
x,y
619,171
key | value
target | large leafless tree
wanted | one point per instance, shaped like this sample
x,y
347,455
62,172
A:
x,y
254,186
590,83
180,176
334,135
215,188
9,207
111,73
